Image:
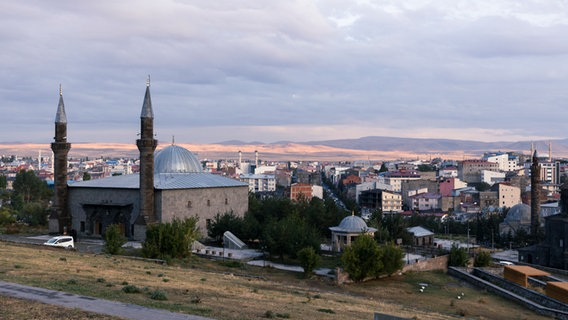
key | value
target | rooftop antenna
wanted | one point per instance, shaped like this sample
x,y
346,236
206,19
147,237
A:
x,y
173,140
60,90
148,81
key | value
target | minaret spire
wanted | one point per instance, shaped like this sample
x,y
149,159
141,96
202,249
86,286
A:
x,y
60,147
146,145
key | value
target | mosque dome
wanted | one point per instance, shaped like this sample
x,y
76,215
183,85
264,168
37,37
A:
x,y
175,159
519,213
353,224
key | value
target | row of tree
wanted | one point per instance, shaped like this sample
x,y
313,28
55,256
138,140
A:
x,y
280,226
28,202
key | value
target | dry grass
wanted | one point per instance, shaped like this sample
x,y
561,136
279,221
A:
x,y
210,289
17,309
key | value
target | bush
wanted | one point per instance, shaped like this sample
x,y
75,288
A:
x,y
170,240
362,259
114,239
34,214
309,259
483,259
158,295
458,257
6,217
392,258
130,289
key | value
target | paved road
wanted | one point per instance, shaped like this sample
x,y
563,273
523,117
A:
x,y
69,300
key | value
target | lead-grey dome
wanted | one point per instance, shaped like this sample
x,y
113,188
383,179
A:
x,y
519,213
353,224
175,159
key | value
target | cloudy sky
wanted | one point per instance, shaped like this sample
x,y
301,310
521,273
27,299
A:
x,y
285,70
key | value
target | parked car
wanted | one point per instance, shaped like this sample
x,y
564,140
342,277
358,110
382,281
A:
x,y
506,263
61,241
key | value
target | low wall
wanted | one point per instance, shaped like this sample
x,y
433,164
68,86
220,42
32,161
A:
x,y
438,263
520,290
483,284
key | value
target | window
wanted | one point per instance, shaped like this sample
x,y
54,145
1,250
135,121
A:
x,y
226,201
189,204
208,202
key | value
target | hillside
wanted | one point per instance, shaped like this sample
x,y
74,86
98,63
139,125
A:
x,y
373,148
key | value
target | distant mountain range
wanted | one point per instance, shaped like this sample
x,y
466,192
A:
x,y
365,148
426,146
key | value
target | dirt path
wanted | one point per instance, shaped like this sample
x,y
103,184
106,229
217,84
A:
x,y
69,300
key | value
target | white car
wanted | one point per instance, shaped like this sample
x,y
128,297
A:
x,y
61,241
506,263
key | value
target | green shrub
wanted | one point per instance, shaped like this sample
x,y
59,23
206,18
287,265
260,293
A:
x,y
458,257
362,259
130,289
309,259
170,240
114,239
326,311
483,259
392,258
6,217
158,295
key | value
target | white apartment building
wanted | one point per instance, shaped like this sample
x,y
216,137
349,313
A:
x,y
492,177
394,179
259,182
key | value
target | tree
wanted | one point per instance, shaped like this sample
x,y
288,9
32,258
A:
x,y
392,258
114,239
171,239
3,183
483,259
34,214
221,223
383,168
458,257
309,259
289,235
30,187
86,176
362,259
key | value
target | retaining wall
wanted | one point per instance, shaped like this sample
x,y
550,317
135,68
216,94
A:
x,y
462,274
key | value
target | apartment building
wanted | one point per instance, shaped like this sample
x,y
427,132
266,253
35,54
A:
x,y
259,182
470,170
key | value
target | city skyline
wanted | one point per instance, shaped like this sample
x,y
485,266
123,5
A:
x,y
298,71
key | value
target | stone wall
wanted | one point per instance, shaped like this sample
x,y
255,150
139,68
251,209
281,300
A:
x,y
438,263
460,273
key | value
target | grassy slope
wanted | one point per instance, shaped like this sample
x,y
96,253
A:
x,y
210,289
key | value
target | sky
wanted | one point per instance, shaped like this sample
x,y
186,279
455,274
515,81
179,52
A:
x,y
285,70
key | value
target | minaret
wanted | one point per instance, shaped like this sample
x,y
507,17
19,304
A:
x,y
535,196
60,149
146,145
240,159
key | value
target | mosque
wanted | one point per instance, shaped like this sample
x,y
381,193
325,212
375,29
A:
x,y
171,184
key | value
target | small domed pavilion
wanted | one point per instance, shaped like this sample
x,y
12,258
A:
x,y
347,231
